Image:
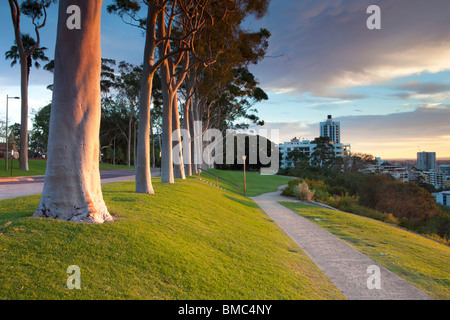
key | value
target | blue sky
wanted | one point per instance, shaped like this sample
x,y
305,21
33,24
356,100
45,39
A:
x,y
389,88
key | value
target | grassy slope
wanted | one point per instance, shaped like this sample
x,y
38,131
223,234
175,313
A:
x,y
37,168
421,261
188,241
256,183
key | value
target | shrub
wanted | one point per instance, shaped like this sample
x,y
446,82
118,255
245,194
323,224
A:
x,y
302,192
289,190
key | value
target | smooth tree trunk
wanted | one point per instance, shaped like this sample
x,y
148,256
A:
x,y
187,154
178,167
166,150
24,80
143,173
72,187
196,134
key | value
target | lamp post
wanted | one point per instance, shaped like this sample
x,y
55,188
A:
x,y
7,148
245,187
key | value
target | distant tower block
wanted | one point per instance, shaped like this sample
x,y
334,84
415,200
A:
x,y
426,161
331,129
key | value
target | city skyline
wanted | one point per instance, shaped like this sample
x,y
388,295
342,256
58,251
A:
x,y
389,88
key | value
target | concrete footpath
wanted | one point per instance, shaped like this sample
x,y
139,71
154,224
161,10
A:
x,y
346,267
24,186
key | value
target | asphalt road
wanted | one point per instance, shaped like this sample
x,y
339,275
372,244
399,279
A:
x,y
23,186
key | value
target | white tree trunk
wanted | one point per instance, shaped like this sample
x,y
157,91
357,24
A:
x,y
187,154
72,189
178,167
143,173
166,150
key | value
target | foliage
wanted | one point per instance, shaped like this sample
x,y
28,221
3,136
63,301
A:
x,y
377,196
37,55
302,192
324,154
40,131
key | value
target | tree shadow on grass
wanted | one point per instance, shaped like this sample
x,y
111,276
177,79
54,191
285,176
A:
x,y
243,201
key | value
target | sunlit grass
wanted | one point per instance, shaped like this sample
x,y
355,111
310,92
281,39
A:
x,y
256,184
188,241
421,261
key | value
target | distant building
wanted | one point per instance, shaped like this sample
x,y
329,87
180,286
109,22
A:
x,y
443,198
306,147
331,129
426,161
436,178
399,173
445,170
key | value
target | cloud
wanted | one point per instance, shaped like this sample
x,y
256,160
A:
x,y
397,135
424,87
329,48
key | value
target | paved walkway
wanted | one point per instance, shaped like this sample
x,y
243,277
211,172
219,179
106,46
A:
x,y
346,267
24,186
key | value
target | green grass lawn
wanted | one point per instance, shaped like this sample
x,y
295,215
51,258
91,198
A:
x,y
37,168
256,184
421,261
188,241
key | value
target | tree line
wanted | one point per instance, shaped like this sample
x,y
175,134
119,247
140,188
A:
x,y
196,51
377,196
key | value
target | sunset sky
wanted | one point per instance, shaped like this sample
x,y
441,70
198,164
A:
x,y
389,88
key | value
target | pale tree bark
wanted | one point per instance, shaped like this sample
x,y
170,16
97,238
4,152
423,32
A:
x,y
166,149
190,86
72,189
178,167
187,154
195,135
143,173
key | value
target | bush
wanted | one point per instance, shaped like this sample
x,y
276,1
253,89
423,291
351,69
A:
x,y
302,192
289,190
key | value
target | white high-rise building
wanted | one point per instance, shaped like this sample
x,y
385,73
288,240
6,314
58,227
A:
x,y
426,161
331,129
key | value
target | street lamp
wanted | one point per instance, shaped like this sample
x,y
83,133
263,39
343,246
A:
x,y
244,158
7,148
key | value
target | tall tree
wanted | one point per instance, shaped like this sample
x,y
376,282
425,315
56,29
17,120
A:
x,y
128,86
324,154
130,8
72,189
37,11
40,132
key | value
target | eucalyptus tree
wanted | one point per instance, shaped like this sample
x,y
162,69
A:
x,y
128,85
172,25
37,11
225,93
72,189
131,9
